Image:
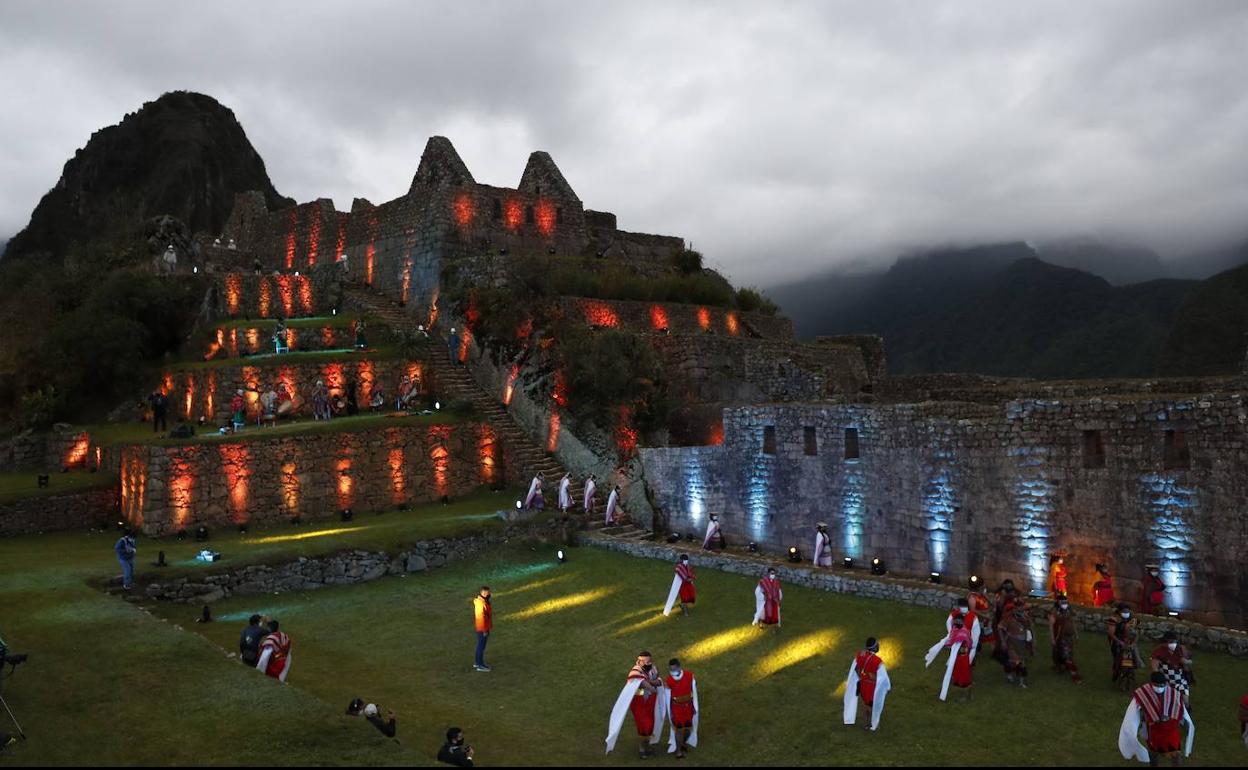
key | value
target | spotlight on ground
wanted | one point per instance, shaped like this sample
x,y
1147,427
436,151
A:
x,y
295,521
674,537
877,566
446,499
160,559
1174,614
346,514
934,577
561,556
519,504
848,562
975,583
181,534
121,526
242,529
795,555
201,533
437,405
208,555
752,547
44,479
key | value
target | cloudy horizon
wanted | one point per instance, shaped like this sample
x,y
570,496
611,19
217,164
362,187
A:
x,y
779,142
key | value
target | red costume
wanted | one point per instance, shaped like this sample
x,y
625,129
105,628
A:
x,y
771,601
867,665
688,594
980,605
280,645
682,699
1162,715
1152,594
1103,591
962,675
642,704
1059,579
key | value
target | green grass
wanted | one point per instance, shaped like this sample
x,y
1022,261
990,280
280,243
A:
x,y
108,434
107,683
23,485
375,353
344,321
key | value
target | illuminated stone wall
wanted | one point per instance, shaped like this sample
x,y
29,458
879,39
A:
x,y
167,489
246,295
81,510
651,317
207,392
990,489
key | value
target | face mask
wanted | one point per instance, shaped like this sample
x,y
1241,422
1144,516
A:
x,y
675,672
1063,607
1159,690
1173,646
1126,616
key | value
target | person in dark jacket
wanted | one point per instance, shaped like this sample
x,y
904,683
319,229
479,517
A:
x,y
387,726
249,641
454,752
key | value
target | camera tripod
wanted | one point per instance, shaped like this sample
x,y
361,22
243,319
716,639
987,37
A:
x,y
12,668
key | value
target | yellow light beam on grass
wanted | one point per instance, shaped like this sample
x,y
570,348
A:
x,y
303,535
718,644
562,603
656,617
796,651
891,650
532,585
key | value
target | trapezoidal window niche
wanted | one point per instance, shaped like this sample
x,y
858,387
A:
x,y
769,440
810,441
851,444
1093,449
1177,456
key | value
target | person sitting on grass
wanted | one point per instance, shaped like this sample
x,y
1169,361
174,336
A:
x,y
275,653
378,400
454,752
387,726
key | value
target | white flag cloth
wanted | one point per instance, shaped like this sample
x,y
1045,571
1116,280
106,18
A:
x,y
590,487
672,595
882,686
1129,744
822,553
953,656
613,499
697,713
620,711
565,497
975,631
712,530
535,488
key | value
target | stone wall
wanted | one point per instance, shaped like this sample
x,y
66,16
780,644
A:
x,y
989,489
25,450
165,489
861,583
678,319
344,568
251,340
81,510
247,295
207,392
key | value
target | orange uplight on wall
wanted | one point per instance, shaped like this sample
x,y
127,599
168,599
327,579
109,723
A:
x,y
340,245
287,292
398,481
407,280
716,436
439,436
488,452
167,384
559,392
524,330
513,214
181,487
626,436
546,216
345,483
233,292
190,396
236,466
233,343
463,207
730,321
133,484
465,339
305,294
327,337
552,436
292,223
252,335
266,297
292,338
510,387
99,458
704,319
333,376
76,455
210,395
364,373
416,373
600,314
658,318
290,488
314,236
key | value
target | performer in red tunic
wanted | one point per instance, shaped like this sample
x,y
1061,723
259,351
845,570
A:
x,y
1243,719
958,670
1103,588
1059,576
767,600
970,621
980,605
640,696
868,679
1175,662
1063,632
682,587
1152,591
681,691
275,653
1161,708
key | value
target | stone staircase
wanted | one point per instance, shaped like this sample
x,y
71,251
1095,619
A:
x,y
455,382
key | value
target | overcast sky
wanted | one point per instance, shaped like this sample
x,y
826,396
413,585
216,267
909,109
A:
x,y
777,137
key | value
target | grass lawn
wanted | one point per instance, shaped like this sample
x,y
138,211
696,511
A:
x,y
344,321
373,353
133,688
21,485
110,433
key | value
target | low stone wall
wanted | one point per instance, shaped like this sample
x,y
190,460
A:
x,y
165,489
81,510
344,568
677,318
252,340
25,450
862,583
239,295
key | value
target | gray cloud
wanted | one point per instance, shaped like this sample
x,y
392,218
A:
x,y
779,138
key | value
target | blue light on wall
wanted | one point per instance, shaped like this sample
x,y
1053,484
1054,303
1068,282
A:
x,y
853,508
758,495
1171,505
694,484
939,505
1033,495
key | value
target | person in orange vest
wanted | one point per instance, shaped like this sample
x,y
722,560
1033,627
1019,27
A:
x,y
484,616
1059,576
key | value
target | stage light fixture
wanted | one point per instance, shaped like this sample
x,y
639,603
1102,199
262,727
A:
x,y
346,514
242,529
160,559
848,562
877,566
975,583
752,547
181,534
561,556
933,577
43,480
201,533
1173,614
795,555
674,537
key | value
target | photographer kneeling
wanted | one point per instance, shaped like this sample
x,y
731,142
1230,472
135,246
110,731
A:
x,y
370,712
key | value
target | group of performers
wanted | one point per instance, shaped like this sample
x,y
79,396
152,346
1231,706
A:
x,y
1003,621
535,498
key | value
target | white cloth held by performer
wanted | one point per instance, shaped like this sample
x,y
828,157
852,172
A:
x,y
535,488
1129,744
712,531
672,595
613,500
619,712
697,714
975,630
953,657
882,686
